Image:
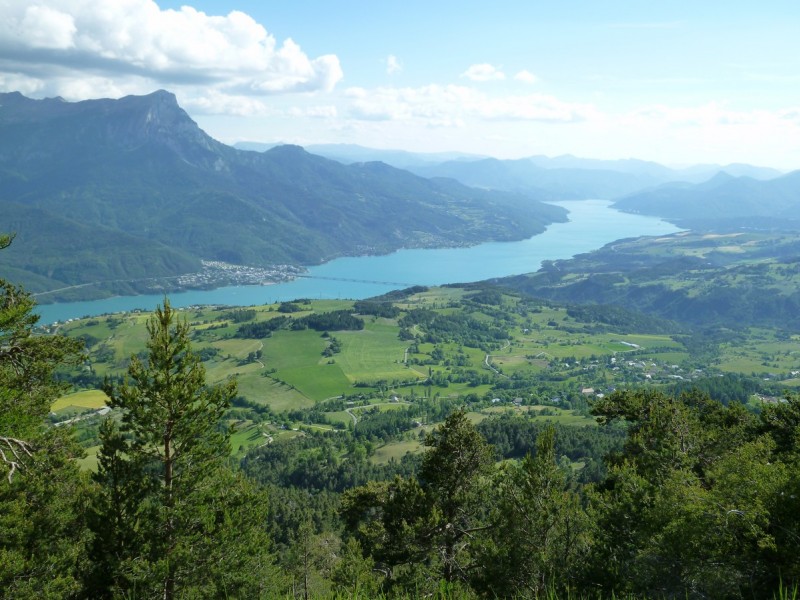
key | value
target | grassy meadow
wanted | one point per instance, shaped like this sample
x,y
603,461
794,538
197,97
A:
x,y
547,357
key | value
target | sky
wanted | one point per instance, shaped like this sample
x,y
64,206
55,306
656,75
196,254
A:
x,y
680,82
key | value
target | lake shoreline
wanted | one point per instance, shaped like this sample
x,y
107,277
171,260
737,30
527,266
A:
x,y
218,274
591,224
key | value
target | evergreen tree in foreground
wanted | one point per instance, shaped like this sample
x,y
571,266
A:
x,y
42,538
420,532
702,502
539,535
171,519
27,364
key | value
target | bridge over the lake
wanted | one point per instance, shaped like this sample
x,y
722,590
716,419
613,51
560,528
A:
x,y
349,280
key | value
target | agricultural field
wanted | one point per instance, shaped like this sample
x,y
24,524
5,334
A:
x,y
299,371
289,369
765,353
396,451
86,399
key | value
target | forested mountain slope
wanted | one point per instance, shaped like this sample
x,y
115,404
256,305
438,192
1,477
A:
x,y
141,168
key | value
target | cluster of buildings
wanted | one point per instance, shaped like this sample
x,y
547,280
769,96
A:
x,y
217,274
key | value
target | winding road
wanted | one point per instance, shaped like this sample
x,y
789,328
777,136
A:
x,y
489,365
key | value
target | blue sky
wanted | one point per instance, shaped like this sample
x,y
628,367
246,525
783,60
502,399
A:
x,y
679,82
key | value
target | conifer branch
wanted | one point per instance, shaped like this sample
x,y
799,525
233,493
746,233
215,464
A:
x,y
17,449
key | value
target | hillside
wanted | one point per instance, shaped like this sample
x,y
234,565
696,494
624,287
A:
x,y
353,153
343,410
344,429
724,201
702,280
140,169
463,344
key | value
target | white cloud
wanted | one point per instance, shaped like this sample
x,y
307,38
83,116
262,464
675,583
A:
x,y
453,105
44,27
526,76
483,72
20,83
393,65
711,132
708,115
93,87
790,114
315,112
432,104
537,107
213,102
87,48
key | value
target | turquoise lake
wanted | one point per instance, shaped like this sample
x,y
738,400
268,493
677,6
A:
x,y
592,224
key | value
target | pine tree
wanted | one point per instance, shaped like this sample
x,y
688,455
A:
x,y
453,475
42,535
174,439
27,365
539,534
420,532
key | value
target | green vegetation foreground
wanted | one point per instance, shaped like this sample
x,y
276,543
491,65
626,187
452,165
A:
x,y
701,500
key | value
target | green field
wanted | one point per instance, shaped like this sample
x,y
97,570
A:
x,y
396,451
545,353
373,354
89,462
248,435
544,413
87,399
764,351
269,392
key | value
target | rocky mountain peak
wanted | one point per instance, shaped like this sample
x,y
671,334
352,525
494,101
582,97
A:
x,y
39,127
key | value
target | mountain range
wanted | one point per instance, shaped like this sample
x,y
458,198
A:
x,y
117,190
705,197
353,153
563,177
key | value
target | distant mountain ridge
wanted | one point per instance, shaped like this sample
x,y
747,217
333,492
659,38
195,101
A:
x,y
723,200
692,174
563,177
137,174
353,153
522,176
570,178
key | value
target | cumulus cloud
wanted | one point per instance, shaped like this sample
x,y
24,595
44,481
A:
x,y
82,48
44,27
452,105
393,65
526,76
537,107
483,72
18,82
714,131
434,105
